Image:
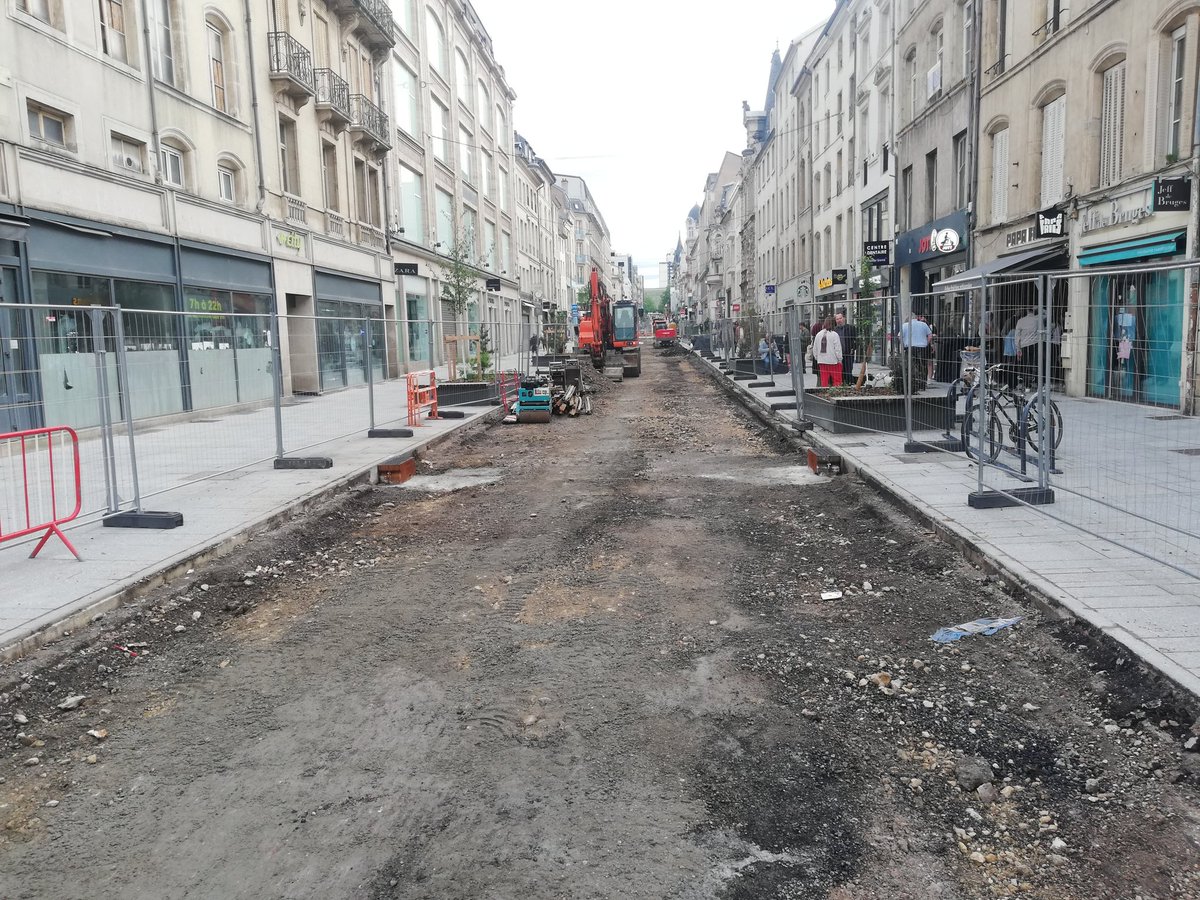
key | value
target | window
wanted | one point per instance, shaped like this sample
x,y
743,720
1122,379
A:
x,y
162,48
170,165
112,29
489,245
960,170
445,220
441,131
435,39
127,153
1112,125
1003,38
828,184
483,105
39,9
968,36
466,155
49,125
329,175
462,79
839,112
875,221
227,183
502,141
289,168
939,45
487,174
1054,127
412,205
407,100
216,66
906,197
505,253
839,172
1175,98
999,176
931,179
502,180
914,87
366,184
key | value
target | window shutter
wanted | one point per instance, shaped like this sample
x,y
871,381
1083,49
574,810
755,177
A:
x,y
1000,176
1054,115
1112,126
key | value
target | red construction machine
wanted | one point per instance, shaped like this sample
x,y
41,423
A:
x,y
608,331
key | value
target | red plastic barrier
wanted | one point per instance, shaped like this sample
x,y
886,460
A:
x,y
508,384
30,458
421,397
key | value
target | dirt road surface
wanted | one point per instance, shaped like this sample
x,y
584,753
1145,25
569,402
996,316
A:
x,y
601,668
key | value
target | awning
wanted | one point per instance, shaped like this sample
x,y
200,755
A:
x,y
1017,262
1140,248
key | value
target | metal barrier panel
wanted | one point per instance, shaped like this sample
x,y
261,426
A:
x,y
40,484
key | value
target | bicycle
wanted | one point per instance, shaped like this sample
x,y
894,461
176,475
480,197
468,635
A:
x,y
1003,417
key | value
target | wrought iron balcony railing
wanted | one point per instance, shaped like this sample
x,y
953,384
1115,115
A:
x,y
368,120
291,62
333,93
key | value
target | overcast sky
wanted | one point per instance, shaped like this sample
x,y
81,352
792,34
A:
x,y
641,98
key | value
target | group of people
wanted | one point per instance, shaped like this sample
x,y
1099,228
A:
x,y
834,344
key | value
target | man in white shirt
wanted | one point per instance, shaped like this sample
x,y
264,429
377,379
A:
x,y
1028,337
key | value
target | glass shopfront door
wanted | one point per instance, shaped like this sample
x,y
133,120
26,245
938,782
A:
x,y
16,376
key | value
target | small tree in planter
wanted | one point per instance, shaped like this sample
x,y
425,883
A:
x,y
460,279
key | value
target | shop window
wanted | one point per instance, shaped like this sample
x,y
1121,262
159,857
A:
x,y
49,125
112,29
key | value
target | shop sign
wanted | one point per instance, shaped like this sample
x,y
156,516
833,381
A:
x,y
407,269
939,238
1051,222
293,240
836,278
737,307
878,252
1172,194
770,289
1125,210
493,284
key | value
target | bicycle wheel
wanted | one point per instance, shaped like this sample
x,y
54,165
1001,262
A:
x,y
993,437
1033,426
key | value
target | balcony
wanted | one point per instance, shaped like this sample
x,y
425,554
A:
x,y
291,66
335,225
371,19
368,123
295,210
370,236
333,97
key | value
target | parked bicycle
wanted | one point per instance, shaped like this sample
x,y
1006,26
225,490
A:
x,y
1001,410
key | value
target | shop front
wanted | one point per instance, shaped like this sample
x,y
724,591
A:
x,y
351,344
1136,320
183,351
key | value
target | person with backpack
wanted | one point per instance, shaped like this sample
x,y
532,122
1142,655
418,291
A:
x,y
827,351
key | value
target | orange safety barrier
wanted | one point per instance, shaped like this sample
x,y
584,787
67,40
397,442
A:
x,y
31,465
421,397
508,384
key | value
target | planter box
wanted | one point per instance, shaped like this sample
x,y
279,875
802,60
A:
x,y
462,393
848,415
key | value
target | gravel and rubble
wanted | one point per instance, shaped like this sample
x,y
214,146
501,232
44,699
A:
x,y
655,659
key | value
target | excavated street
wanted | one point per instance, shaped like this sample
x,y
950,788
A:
x,y
600,669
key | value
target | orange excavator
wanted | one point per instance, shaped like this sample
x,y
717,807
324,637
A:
x,y
608,331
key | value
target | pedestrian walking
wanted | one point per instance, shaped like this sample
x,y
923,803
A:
x,y
914,339
827,350
817,326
